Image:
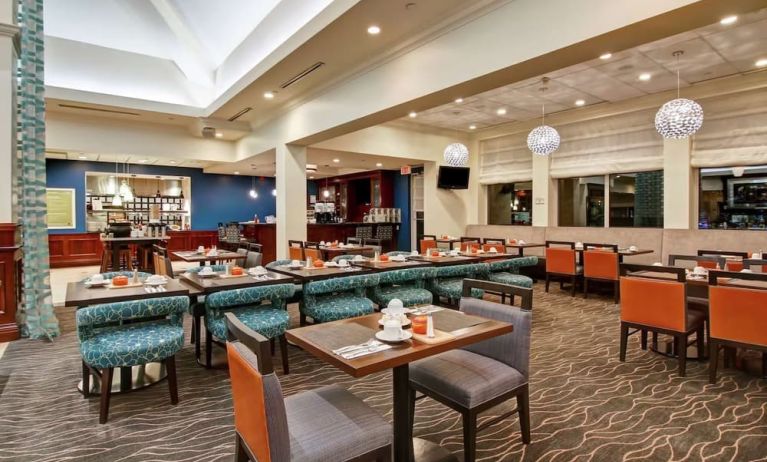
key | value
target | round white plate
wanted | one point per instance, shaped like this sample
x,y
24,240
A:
x,y
156,283
404,323
406,335
207,275
96,284
394,311
331,264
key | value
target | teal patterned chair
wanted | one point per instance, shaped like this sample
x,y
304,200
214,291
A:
x,y
448,281
338,258
112,274
337,298
395,253
127,334
296,298
408,285
271,319
507,271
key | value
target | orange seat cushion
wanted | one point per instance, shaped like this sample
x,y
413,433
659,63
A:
x,y
738,314
600,264
560,260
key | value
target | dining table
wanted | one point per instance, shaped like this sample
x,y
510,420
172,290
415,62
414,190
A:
x,y
321,340
378,265
330,251
117,244
444,260
203,258
303,274
521,247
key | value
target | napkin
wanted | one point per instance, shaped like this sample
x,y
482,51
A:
x,y
363,349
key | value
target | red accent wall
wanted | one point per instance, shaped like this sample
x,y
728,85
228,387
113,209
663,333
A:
x,y
10,280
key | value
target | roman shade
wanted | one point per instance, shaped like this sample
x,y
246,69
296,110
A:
x,y
734,131
505,159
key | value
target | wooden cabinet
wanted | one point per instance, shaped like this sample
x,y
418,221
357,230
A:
x,y
10,280
355,194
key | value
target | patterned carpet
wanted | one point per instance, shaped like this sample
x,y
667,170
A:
x,y
586,405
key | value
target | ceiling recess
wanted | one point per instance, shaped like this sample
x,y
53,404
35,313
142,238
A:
x,y
86,108
240,114
302,74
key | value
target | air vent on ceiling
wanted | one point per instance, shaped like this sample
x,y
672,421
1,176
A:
x,y
311,168
55,154
240,114
96,109
302,74
208,132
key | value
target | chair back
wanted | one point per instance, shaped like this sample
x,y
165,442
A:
x,y
709,262
755,262
560,260
492,240
407,276
314,254
654,302
470,270
354,240
275,293
358,284
499,247
736,312
149,309
468,246
260,417
242,251
376,243
426,244
512,264
296,252
600,264
731,264
166,267
395,253
433,237
253,259
512,349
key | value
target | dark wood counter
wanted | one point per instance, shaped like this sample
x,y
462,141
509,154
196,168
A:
x,y
264,234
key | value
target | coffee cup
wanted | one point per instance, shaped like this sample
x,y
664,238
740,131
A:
x,y
521,242
633,248
201,249
97,279
493,250
295,263
343,263
358,258
699,270
393,328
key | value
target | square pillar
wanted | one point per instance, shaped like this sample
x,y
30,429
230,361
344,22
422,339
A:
x,y
544,212
678,185
8,154
291,196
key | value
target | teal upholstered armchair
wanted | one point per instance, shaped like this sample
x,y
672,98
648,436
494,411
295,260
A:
x,y
395,253
507,271
338,258
448,280
127,334
408,285
270,319
216,268
337,298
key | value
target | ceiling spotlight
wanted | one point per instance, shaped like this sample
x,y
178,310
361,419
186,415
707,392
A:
x,y
459,100
173,162
645,76
761,62
311,177
82,157
727,20
336,160
379,164
413,114
579,102
143,161
374,30
501,111
253,194
274,192
236,173
268,95
605,56
472,127
219,135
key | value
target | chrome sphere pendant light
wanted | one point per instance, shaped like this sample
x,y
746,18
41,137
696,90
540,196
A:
x,y
543,140
680,117
456,155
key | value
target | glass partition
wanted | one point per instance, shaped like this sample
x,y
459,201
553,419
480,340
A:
x,y
510,204
636,200
581,201
733,198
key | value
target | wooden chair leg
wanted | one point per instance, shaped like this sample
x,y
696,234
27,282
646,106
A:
x,y
764,365
523,405
681,351
643,333
86,380
170,365
617,294
240,454
284,354
585,287
411,407
302,319
106,393
272,348
572,288
547,282
624,341
196,326
700,344
469,436
713,359
208,348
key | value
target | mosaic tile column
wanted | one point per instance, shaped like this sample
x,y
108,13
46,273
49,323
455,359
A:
x,y
36,315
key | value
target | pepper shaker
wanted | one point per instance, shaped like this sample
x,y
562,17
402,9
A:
x,y
429,326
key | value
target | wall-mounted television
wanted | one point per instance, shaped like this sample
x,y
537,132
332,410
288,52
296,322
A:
x,y
453,177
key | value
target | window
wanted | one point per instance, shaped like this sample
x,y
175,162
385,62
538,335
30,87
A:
x,y
636,200
510,204
581,201
733,198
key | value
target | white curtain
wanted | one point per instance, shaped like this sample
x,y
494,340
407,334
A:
x,y
734,131
505,159
620,143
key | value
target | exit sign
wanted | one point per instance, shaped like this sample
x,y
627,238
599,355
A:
x,y
404,170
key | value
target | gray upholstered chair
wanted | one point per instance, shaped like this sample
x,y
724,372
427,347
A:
x,y
483,375
324,424
253,259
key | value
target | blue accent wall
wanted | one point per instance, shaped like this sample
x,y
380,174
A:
x,y
402,201
215,198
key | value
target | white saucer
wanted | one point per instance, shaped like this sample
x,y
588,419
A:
x,y
405,323
88,283
295,267
156,283
207,275
406,335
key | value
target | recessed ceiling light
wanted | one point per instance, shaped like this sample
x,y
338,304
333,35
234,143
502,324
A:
x,y
236,173
579,102
82,157
501,111
311,177
727,20
173,162
413,114
219,135
459,100
374,30
761,62
379,164
645,76
143,161
605,56
336,160
472,127
268,95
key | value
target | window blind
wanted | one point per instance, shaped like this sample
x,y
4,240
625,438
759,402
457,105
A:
x,y
505,159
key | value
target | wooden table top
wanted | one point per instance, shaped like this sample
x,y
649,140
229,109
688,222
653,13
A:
x,y
208,285
525,245
490,256
193,256
321,339
390,265
443,261
315,274
78,294
134,239
347,249
704,281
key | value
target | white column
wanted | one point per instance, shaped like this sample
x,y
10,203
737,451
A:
x,y
678,184
544,212
291,196
8,54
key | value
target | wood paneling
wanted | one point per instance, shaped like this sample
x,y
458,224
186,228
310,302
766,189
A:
x,y
10,280
264,234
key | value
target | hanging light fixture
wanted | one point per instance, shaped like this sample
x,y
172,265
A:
x,y
543,140
326,191
253,193
456,155
117,201
158,188
680,117
125,190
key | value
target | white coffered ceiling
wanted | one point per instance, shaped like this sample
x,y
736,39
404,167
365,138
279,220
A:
x,y
709,52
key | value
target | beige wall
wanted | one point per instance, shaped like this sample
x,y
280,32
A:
x,y
7,113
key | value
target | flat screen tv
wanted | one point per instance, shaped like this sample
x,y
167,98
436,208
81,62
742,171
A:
x,y
453,177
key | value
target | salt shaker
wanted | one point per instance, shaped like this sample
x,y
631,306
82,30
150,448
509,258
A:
x,y
429,325
376,255
135,276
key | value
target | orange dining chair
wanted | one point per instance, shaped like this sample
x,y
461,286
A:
x,y
706,261
500,248
602,266
659,305
314,254
755,262
737,315
731,264
427,244
296,250
560,264
468,246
